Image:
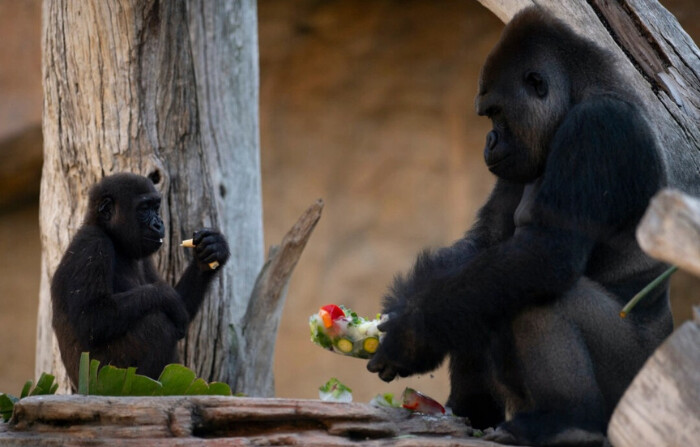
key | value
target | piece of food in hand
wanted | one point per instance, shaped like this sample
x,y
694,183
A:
x,y
189,243
416,401
334,391
339,329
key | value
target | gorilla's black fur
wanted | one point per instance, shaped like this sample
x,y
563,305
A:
x,y
107,296
526,304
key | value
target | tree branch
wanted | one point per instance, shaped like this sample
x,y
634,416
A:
x,y
259,332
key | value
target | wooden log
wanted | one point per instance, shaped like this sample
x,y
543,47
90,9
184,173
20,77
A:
x,y
230,421
662,405
670,230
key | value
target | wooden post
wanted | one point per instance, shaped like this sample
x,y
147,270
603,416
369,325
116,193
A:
x,y
167,89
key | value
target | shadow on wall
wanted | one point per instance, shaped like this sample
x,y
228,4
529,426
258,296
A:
x,y
370,107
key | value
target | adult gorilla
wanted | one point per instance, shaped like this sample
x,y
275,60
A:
x,y
107,296
526,303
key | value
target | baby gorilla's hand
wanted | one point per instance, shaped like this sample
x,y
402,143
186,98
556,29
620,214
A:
x,y
210,247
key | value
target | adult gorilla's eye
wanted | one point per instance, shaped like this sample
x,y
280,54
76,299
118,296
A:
x,y
537,82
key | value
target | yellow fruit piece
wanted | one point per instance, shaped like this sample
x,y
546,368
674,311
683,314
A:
x,y
344,345
370,344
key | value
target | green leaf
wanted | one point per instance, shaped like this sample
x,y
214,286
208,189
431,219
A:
x,y
144,386
92,383
84,374
25,389
43,385
128,381
219,389
7,404
198,387
176,379
110,381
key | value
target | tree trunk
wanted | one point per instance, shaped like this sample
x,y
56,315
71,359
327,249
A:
x,y
167,89
661,61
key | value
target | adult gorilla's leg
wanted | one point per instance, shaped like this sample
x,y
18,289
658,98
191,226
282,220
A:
x,y
470,395
564,402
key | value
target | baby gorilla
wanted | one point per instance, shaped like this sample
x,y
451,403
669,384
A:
x,y
526,304
107,296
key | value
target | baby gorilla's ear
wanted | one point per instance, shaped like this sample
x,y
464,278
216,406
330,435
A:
x,y
105,209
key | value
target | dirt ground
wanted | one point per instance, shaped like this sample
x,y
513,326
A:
x,y
370,108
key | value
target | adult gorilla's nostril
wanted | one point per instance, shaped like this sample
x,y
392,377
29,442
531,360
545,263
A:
x,y
491,140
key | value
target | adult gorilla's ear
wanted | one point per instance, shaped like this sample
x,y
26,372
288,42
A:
x,y
105,209
537,82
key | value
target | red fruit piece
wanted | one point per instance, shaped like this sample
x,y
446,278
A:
x,y
330,313
415,401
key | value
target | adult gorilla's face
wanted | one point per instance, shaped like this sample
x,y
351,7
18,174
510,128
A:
x,y
525,95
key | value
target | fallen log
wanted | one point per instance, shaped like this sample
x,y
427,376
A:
x,y
229,421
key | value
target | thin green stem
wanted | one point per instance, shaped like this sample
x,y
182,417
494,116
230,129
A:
x,y
84,374
645,291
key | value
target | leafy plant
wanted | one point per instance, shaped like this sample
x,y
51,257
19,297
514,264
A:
x,y
175,380
45,385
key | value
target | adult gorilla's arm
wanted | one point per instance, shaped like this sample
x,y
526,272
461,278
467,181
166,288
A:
x,y
601,171
83,286
493,225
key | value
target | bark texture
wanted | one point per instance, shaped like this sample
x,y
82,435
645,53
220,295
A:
x,y
662,405
670,230
167,89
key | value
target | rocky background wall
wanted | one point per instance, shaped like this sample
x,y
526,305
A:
x,y
368,105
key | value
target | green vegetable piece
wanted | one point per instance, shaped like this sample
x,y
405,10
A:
x,y
334,386
344,345
176,379
385,400
370,344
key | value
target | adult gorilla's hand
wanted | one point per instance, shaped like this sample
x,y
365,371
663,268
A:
x,y
210,246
